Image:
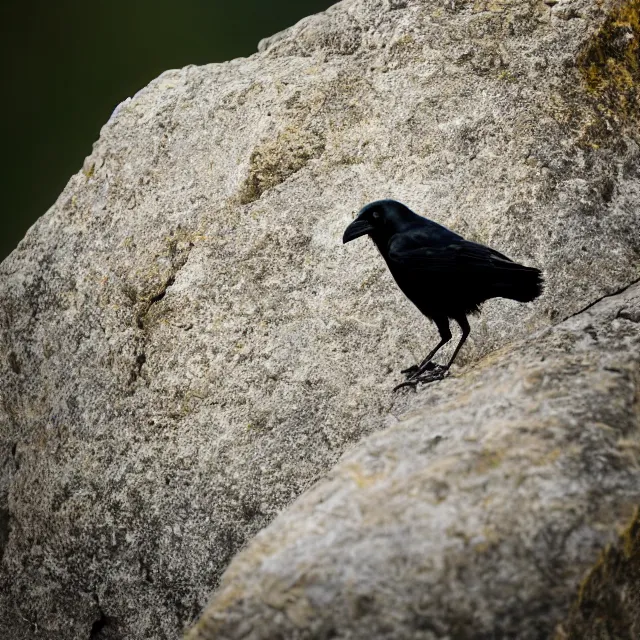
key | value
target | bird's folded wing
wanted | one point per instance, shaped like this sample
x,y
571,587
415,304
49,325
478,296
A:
x,y
456,256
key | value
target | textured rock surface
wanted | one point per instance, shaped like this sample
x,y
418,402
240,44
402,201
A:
x,y
608,603
474,516
184,344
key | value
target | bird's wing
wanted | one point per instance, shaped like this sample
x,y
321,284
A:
x,y
451,254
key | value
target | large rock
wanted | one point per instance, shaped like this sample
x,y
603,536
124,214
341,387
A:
x,y
608,602
184,344
475,516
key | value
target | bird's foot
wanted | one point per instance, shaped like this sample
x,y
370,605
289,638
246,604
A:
x,y
436,372
411,371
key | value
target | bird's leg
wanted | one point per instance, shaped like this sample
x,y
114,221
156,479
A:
x,y
415,374
466,329
438,372
417,369
445,335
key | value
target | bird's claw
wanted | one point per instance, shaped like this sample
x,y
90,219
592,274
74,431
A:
x,y
436,372
409,372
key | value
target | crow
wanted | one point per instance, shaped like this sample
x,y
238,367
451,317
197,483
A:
x,y
444,275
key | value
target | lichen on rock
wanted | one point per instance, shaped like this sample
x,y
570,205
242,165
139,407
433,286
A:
x,y
608,603
275,160
610,63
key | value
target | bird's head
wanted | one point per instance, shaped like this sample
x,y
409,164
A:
x,y
380,219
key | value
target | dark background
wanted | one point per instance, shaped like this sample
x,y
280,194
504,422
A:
x,y
68,63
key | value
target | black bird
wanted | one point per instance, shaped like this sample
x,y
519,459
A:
x,y
443,274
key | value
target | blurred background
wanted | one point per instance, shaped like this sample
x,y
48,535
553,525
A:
x,y
68,63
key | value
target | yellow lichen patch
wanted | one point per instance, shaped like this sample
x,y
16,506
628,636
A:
x,y
491,540
610,64
488,460
493,6
608,598
550,457
406,40
276,160
630,538
630,449
506,76
362,478
404,44
207,625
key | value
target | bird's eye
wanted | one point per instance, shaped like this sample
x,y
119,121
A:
x,y
375,215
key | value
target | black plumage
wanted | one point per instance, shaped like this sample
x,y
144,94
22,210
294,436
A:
x,y
444,275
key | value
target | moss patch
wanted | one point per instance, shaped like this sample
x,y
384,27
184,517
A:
x,y
602,99
608,602
609,66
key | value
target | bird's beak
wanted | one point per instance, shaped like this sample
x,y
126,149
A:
x,y
356,229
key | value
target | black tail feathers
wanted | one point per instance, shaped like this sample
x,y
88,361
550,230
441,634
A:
x,y
523,284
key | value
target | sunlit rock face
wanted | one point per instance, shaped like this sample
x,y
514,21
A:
x,y
186,346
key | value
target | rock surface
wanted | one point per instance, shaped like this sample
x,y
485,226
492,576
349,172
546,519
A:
x,y
185,346
475,516
608,603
